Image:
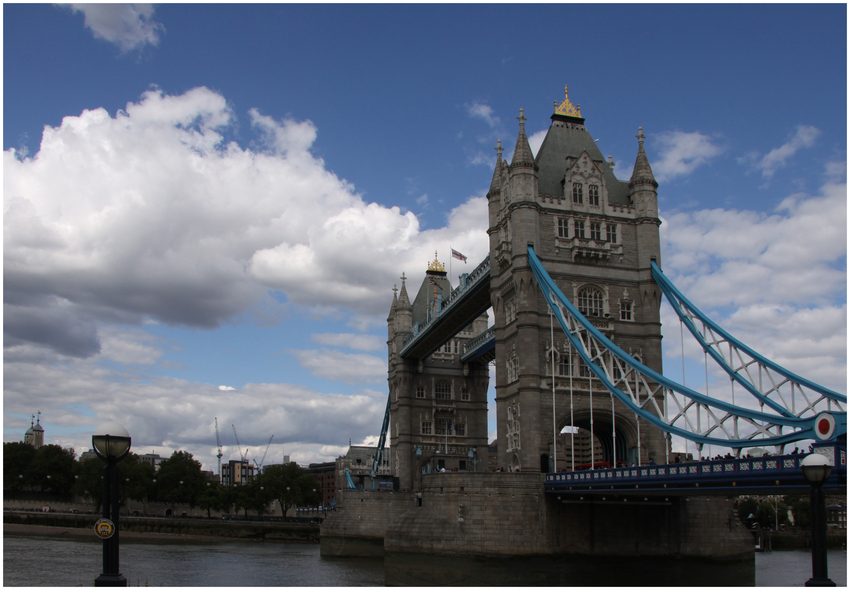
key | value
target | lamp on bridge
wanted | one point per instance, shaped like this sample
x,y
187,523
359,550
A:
x,y
111,442
816,470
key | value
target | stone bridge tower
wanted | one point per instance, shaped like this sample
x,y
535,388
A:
x,y
596,236
438,404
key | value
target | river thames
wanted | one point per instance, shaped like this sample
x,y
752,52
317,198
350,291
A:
x,y
41,561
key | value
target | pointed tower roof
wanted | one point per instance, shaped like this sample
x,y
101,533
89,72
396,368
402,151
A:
x,y
642,173
568,138
403,298
495,184
522,151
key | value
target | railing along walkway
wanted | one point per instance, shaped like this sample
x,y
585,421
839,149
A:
x,y
723,475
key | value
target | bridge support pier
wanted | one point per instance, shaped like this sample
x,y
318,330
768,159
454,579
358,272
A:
x,y
502,529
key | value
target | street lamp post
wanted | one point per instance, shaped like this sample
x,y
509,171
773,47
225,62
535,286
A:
x,y
111,442
816,470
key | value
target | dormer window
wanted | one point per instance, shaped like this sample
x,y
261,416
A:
x,y
593,194
578,193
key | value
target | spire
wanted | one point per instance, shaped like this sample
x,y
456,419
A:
x,y
495,185
403,298
522,151
642,173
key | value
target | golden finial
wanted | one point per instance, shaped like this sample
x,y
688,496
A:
x,y
436,265
566,107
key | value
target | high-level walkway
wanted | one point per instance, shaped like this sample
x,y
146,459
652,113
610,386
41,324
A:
x,y
465,303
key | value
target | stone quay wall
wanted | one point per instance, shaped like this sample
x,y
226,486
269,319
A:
x,y
358,525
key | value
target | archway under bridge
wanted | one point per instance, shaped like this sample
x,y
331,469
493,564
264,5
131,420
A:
x,y
575,447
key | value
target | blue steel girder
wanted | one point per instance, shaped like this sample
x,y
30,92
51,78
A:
x,y
650,395
759,376
465,303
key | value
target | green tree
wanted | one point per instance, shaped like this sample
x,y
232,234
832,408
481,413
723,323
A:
x,y
290,486
17,462
747,507
179,479
89,482
53,469
214,497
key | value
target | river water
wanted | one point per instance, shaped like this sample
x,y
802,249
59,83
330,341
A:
x,y
41,561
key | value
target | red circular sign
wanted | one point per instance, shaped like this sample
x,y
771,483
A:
x,y
823,425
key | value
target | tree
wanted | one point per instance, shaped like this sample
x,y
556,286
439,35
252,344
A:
x,y
53,469
179,480
89,480
800,509
214,497
290,486
17,463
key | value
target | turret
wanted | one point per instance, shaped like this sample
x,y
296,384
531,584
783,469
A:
x,y
523,170
643,187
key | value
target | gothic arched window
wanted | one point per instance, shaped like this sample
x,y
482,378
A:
x,y
590,302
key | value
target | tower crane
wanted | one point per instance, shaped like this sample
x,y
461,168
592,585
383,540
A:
x,y
239,446
220,454
263,460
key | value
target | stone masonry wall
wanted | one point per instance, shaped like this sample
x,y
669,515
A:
x,y
474,514
359,524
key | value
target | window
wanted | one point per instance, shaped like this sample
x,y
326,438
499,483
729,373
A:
x,y
443,390
563,227
513,369
442,426
578,194
580,229
593,194
460,429
590,302
464,394
461,465
626,311
420,391
611,230
595,231
584,370
426,427
565,366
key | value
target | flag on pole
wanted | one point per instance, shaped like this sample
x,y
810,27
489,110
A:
x,y
435,283
458,255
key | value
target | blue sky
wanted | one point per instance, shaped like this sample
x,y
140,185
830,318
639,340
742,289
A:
x,y
206,206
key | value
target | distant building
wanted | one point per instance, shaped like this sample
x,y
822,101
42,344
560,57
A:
x,y
35,433
152,460
325,474
209,476
358,463
236,473
86,455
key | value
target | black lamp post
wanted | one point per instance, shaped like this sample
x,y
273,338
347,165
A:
x,y
816,470
111,442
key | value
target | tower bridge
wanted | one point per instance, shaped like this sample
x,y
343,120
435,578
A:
x,y
567,307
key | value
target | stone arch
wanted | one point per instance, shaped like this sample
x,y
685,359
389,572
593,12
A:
x,y
626,439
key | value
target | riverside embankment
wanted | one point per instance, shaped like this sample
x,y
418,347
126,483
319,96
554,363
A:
x,y
140,527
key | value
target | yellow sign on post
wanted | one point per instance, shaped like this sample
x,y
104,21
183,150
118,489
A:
x,y
104,528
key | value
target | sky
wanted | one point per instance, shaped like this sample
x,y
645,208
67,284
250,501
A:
x,y
206,207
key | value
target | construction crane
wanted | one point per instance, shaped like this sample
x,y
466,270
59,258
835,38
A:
x,y
263,460
239,446
220,454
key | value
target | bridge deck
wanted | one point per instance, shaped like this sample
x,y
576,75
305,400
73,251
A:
x,y
722,477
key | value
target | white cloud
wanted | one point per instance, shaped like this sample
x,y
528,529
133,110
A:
x,y
776,282
340,366
804,137
355,341
129,26
165,414
182,229
682,153
483,112
535,140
